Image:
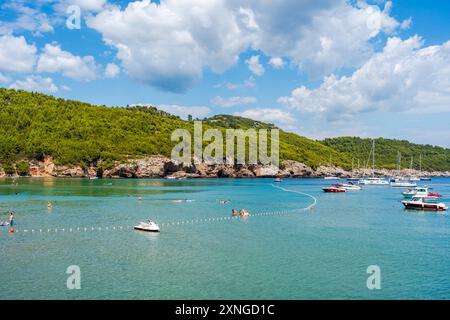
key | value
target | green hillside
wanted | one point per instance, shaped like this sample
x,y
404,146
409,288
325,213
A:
x,y
292,146
34,125
386,151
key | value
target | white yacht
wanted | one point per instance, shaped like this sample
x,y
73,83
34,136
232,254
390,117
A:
x,y
348,186
400,183
374,181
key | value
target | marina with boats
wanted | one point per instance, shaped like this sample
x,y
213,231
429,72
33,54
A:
x,y
418,197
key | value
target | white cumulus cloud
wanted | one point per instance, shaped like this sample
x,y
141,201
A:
x,y
255,66
169,44
277,63
279,117
16,55
232,101
405,76
29,17
36,84
112,70
54,59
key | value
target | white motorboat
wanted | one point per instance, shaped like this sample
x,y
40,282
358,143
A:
x,y
424,203
332,178
420,192
403,184
348,186
373,181
149,226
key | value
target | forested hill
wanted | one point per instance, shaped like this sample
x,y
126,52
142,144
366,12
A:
x,y
434,158
34,125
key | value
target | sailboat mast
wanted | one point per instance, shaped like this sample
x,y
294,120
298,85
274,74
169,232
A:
x,y
373,157
420,163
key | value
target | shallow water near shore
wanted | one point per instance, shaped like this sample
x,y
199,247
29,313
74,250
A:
x,y
316,254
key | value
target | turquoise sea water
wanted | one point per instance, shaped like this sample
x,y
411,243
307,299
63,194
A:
x,y
319,254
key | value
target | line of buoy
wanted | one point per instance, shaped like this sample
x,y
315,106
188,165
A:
x,y
163,224
176,223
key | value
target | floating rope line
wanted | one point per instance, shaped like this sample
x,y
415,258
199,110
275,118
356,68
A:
x,y
173,223
302,193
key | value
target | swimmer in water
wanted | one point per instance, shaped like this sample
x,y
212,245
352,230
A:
x,y
234,212
49,205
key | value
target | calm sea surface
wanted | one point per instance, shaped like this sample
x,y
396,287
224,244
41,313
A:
x,y
318,254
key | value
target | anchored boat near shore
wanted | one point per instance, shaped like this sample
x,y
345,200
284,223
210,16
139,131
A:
x,y
424,203
373,180
420,192
348,186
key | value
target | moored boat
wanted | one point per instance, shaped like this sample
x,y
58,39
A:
x,y
373,181
403,184
348,186
420,192
333,189
424,203
278,180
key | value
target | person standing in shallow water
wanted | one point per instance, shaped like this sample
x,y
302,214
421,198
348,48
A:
x,y
11,222
11,219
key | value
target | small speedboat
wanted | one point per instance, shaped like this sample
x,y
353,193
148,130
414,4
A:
x,y
149,226
278,180
424,203
332,178
333,189
348,186
425,178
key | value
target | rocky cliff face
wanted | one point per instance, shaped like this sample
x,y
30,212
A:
x,y
161,167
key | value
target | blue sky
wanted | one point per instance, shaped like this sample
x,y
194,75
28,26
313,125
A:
x,y
320,69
